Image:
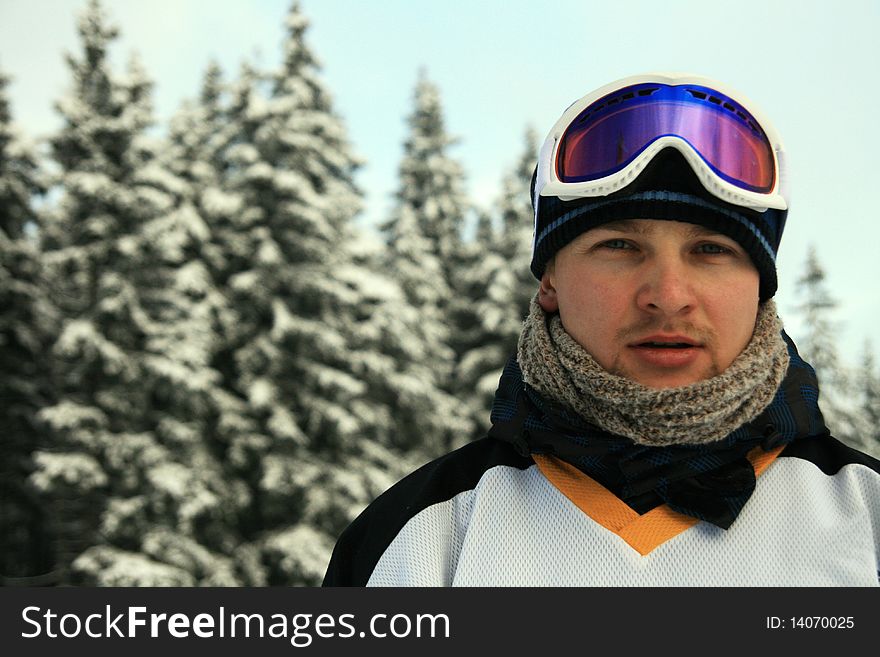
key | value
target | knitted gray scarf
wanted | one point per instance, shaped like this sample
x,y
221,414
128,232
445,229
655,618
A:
x,y
559,368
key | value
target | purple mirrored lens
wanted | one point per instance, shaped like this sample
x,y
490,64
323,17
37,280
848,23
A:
x,y
611,132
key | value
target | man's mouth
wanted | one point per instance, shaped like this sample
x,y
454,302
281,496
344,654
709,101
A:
x,y
668,351
665,342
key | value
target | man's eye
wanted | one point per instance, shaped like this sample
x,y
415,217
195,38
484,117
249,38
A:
x,y
616,244
713,249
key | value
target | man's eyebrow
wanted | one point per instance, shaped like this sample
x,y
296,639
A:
x,y
644,228
696,230
625,226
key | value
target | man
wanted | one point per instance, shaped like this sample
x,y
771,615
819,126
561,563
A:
x,y
656,427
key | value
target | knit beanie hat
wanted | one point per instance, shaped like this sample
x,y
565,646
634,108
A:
x,y
667,188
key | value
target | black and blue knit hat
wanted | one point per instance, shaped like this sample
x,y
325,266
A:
x,y
667,189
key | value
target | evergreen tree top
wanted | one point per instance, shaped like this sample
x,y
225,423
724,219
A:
x,y
298,77
212,86
5,120
138,84
19,173
811,285
5,114
515,202
297,56
243,88
104,114
93,84
427,125
430,180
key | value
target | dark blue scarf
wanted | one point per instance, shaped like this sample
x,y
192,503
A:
x,y
710,482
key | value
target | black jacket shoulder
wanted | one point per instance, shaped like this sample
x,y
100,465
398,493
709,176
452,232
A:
x,y
829,454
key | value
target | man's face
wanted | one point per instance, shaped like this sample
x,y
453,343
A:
x,y
663,303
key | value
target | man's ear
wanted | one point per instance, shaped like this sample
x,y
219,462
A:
x,y
547,298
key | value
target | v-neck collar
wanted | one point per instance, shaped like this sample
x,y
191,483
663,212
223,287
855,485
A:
x,y
641,532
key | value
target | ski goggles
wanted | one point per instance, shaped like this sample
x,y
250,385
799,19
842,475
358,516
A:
x,y
603,141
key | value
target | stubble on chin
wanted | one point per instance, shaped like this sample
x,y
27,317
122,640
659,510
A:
x,y
618,368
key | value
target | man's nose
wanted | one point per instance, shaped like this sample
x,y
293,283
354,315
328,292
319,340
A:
x,y
667,287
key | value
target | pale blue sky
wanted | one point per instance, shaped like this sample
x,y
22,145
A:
x,y
503,65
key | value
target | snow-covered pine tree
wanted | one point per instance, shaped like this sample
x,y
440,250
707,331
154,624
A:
x,y
135,497
431,181
314,457
818,346
425,255
27,324
518,286
388,350
498,287
195,136
79,235
200,137
479,316
192,153
868,390
202,134
194,413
